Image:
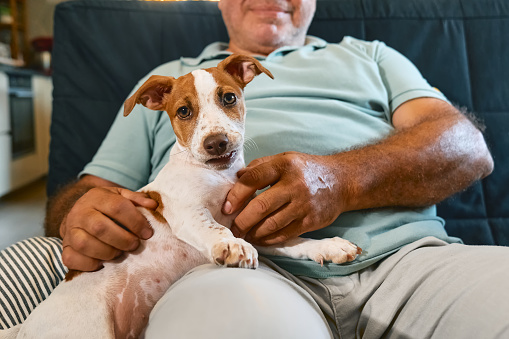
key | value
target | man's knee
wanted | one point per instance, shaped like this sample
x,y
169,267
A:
x,y
227,302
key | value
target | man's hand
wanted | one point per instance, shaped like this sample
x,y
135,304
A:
x,y
90,227
303,197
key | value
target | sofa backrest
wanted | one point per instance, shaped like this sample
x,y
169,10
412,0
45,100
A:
x,y
103,47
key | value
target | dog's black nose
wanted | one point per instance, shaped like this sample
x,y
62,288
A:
x,y
216,144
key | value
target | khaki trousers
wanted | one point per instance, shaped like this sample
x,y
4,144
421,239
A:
x,y
428,289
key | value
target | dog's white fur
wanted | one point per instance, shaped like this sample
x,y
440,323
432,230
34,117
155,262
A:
x,y
116,301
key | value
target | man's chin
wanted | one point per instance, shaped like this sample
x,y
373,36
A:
x,y
264,38
277,36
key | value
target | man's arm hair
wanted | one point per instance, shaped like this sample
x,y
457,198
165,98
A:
x,y
59,205
429,157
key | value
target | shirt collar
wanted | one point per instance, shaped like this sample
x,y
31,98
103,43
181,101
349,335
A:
x,y
218,50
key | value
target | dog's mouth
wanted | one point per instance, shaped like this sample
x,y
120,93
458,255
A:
x,y
222,161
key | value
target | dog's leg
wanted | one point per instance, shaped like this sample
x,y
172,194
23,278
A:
x,y
335,249
197,227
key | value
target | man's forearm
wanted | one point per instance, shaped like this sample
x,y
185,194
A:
x,y
59,206
417,166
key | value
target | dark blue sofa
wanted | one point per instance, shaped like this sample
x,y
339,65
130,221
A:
x,y
102,48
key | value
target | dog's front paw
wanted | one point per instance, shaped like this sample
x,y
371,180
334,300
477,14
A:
x,y
235,253
337,250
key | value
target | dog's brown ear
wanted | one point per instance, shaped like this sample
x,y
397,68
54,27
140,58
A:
x,y
243,68
150,94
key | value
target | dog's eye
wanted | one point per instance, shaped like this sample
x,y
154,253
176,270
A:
x,y
229,99
183,112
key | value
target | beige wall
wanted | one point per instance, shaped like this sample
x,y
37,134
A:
x,y
40,17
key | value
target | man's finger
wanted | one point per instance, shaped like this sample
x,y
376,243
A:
x,y
138,198
109,232
278,220
258,209
289,232
76,261
251,180
87,245
124,211
255,163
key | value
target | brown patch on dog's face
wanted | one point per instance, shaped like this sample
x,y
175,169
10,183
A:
x,y
226,86
158,213
220,91
183,97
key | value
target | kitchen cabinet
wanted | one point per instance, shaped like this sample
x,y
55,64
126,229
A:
x,y
25,115
13,30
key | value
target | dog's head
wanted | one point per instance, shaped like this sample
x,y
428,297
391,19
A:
x,y
206,107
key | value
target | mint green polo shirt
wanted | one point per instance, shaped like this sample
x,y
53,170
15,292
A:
x,y
325,98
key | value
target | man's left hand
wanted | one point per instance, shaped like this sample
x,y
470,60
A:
x,y
303,196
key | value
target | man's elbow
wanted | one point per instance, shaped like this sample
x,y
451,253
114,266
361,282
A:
x,y
483,159
488,164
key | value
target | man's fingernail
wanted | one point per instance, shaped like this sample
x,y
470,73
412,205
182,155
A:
x,y
100,266
134,246
146,233
227,207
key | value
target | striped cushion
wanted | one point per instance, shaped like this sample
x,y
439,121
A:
x,y
29,271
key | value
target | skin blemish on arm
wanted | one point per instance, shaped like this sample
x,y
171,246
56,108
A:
x,y
317,178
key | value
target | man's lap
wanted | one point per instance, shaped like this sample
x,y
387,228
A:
x,y
213,302
239,298
427,288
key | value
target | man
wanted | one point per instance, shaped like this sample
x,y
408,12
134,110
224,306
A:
x,y
395,147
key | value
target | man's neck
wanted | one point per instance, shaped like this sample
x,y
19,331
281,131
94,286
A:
x,y
257,50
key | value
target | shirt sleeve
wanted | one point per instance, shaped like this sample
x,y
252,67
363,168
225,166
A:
x,y
124,156
401,78
136,146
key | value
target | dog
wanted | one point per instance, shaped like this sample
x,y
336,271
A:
x,y
207,112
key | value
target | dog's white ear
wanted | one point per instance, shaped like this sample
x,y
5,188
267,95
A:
x,y
243,68
150,94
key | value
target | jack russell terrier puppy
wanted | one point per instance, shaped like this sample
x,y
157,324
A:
x,y
207,112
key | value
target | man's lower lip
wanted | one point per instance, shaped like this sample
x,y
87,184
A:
x,y
269,12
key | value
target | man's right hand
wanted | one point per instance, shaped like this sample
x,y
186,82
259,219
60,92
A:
x,y
91,230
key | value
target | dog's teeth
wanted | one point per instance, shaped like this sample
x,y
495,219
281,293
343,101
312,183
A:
x,y
226,155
